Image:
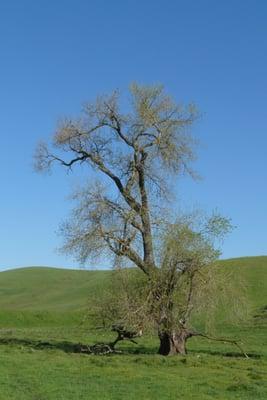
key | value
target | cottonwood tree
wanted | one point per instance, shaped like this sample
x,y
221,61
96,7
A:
x,y
189,287
138,154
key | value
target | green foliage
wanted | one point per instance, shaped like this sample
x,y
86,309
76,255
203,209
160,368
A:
x,y
188,282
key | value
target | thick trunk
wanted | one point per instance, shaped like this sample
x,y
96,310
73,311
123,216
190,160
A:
x,y
172,343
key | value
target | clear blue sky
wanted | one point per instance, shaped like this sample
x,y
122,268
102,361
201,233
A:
x,y
57,54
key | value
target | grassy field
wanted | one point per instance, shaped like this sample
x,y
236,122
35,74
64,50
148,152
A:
x,y
42,319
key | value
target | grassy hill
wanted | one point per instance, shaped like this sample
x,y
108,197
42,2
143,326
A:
x,y
42,288
41,310
40,294
253,270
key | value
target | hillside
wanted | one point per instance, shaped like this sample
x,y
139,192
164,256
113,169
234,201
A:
x,y
45,293
42,288
39,296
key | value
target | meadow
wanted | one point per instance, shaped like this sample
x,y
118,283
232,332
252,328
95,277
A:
x,y
43,316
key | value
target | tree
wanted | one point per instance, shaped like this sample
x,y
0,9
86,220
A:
x,y
138,154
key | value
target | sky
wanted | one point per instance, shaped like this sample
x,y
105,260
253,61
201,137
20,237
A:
x,y
55,55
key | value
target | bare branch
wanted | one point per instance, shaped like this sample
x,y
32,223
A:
x,y
223,340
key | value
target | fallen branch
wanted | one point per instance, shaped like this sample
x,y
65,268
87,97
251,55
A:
x,y
125,334
97,349
223,340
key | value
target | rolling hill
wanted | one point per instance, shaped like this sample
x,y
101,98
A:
x,y
39,293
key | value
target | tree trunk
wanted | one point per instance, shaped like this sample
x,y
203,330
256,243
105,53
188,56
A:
x,y
172,343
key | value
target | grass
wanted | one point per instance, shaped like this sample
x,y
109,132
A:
x,y
40,318
47,375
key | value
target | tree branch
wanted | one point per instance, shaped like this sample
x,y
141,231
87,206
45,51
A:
x,y
223,340
114,118
124,250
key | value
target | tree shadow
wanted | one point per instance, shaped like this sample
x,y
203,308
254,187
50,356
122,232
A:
x,y
234,354
70,347
140,349
67,347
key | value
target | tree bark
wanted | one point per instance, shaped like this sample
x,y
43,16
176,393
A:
x,y
173,343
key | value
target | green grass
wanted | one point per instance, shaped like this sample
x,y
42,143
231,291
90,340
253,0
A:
x,y
41,314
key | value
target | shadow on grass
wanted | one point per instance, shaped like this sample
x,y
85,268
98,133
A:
x,y
234,354
69,347
152,350
65,346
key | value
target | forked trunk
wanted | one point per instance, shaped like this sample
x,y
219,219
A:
x,y
172,343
